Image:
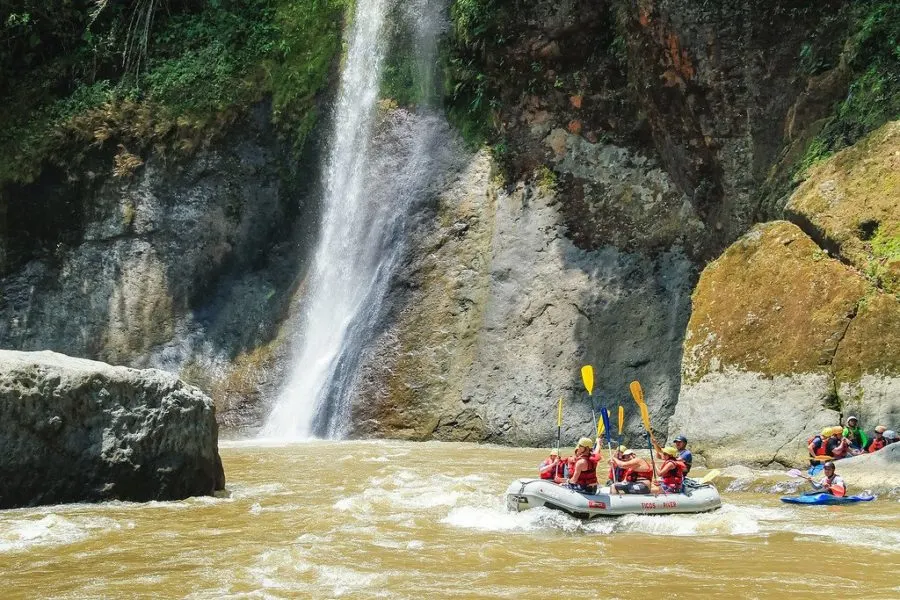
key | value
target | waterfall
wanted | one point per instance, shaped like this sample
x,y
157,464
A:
x,y
379,167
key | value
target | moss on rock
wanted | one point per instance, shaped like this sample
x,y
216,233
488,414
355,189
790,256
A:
x,y
872,341
773,303
851,202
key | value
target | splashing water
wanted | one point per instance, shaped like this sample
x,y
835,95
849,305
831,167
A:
x,y
379,169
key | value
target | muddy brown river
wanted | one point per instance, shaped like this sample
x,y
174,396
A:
x,y
428,520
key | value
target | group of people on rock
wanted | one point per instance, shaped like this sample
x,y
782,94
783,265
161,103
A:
x,y
628,473
840,442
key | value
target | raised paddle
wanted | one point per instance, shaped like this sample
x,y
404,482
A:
x,y
621,420
558,424
638,394
587,378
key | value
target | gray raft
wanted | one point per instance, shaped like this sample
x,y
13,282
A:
x,y
524,494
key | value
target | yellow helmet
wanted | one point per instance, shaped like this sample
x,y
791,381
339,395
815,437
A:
x,y
837,429
554,452
826,432
670,451
586,442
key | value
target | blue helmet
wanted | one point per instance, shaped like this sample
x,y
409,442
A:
x,y
680,438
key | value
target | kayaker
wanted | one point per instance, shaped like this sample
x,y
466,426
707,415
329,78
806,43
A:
x,y
671,473
817,445
879,441
636,473
552,467
832,483
584,471
854,433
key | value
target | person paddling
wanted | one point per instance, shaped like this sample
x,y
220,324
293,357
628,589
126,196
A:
x,y
584,471
636,473
552,467
832,483
671,473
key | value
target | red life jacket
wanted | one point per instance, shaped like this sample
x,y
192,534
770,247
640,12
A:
x,y
549,473
589,475
675,477
835,485
820,451
877,444
633,475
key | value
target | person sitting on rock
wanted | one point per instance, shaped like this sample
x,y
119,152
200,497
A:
x,y
584,472
879,441
854,433
891,436
832,483
837,446
817,446
637,473
671,473
552,467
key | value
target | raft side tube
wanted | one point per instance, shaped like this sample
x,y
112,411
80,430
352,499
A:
x,y
524,494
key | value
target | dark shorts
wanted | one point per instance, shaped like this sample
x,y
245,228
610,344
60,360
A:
x,y
627,487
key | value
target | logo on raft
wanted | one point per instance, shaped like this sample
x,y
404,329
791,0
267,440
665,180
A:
x,y
596,504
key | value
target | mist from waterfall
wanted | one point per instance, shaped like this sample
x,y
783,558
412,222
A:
x,y
380,166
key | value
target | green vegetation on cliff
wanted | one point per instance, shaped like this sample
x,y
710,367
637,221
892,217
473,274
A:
x,y
80,75
872,54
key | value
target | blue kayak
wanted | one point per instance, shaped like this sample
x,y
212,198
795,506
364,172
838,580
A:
x,y
825,499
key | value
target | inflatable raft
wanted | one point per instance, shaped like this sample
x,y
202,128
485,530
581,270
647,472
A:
x,y
524,494
825,499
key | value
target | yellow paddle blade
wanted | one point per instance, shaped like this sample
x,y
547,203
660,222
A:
x,y
587,376
636,392
621,418
710,476
600,428
645,417
559,414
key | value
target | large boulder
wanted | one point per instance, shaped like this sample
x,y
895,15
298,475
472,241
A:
x,y
78,430
782,341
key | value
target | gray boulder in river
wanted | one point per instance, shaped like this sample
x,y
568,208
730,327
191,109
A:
x,y
79,430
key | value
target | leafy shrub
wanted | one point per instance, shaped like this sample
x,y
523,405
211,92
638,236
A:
x,y
873,55
72,67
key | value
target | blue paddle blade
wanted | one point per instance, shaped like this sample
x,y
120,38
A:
x,y
604,414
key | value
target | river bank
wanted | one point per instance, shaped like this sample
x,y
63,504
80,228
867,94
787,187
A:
x,y
406,520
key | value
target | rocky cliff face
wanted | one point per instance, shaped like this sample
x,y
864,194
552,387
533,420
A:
x,y
79,430
631,144
184,266
505,308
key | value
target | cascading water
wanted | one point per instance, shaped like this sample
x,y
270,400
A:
x,y
379,168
